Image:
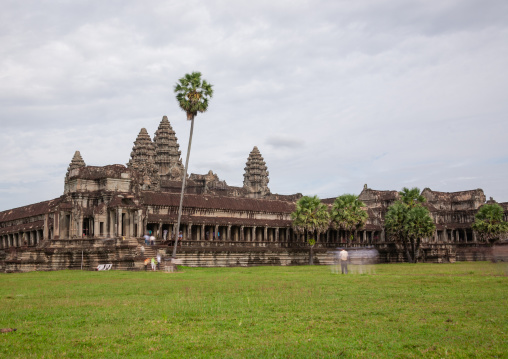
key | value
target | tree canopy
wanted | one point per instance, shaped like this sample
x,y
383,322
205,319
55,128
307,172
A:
x,y
310,216
489,223
408,221
348,214
193,94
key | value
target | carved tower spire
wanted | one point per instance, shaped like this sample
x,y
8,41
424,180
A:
x,y
76,162
143,161
167,153
255,179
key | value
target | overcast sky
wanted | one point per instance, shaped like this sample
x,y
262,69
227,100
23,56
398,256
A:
x,y
335,94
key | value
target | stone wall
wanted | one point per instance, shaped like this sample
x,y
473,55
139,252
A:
x,y
126,254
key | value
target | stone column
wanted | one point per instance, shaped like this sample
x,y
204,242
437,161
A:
x,y
364,237
475,239
203,232
132,218
96,227
45,232
253,235
277,239
216,231
457,236
189,231
140,223
382,236
119,222
228,236
465,235
242,234
265,234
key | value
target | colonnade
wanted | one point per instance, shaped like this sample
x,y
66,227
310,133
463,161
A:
x,y
22,238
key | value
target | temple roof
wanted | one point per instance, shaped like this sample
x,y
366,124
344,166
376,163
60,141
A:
x,y
76,162
30,210
96,172
474,194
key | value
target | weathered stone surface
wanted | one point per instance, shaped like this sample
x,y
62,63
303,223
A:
x,y
167,153
255,179
143,161
104,212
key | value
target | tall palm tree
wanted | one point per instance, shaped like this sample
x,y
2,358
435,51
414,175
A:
x,y
310,216
192,95
348,214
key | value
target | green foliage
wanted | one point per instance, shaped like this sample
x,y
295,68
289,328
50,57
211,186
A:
x,y
193,94
404,311
411,197
348,213
489,223
409,222
310,215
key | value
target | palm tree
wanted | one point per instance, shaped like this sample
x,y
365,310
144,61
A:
x,y
411,197
311,216
348,214
489,223
192,95
408,221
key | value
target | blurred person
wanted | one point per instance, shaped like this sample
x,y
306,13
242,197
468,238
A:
x,y
343,256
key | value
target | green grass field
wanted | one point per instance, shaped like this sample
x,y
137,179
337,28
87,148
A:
x,y
401,310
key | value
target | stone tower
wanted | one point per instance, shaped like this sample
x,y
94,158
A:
x,y
255,179
76,162
143,161
167,153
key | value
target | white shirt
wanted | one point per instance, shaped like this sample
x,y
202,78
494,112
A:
x,y
343,255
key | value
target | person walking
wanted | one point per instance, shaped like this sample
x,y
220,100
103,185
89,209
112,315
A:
x,y
154,262
152,240
343,256
147,239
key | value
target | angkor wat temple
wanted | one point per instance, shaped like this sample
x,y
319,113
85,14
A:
x,y
104,212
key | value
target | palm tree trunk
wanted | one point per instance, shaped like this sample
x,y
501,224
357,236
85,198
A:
x,y
311,254
183,188
408,253
417,250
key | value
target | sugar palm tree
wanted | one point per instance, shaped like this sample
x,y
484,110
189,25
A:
x,y
348,214
411,197
310,216
489,223
192,95
408,221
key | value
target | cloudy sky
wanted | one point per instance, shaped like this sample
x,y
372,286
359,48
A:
x,y
335,94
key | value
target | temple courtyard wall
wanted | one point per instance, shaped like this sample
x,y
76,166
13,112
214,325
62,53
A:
x,y
129,254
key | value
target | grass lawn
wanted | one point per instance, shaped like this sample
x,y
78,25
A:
x,y
400,311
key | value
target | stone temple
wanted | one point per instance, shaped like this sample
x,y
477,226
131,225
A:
x,y
104,212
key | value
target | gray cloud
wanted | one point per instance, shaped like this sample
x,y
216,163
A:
x,y
335,94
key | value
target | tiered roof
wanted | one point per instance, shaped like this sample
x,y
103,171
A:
x,y
143,160
167,153
76,162
256,175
